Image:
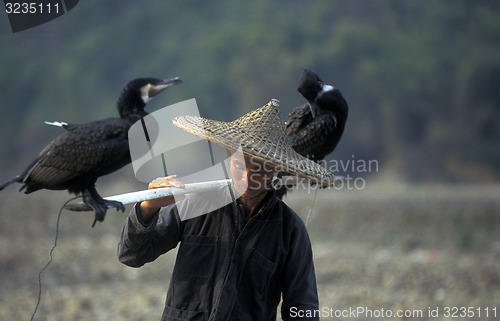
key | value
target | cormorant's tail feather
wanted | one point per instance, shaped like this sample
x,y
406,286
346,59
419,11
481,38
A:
x,y
18,179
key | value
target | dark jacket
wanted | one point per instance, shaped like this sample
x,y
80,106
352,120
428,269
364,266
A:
x,y
226,269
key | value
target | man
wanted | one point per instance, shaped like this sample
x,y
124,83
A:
x,y
237,261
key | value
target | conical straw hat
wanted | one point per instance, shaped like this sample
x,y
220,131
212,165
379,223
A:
x,y
261,134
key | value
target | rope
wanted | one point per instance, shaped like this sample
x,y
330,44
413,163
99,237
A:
x,y
50,256
311,208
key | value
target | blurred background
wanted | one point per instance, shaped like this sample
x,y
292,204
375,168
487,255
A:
x,y
421,80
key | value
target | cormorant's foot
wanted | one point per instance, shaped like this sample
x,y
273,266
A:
x,y
118,205
100,205
103,206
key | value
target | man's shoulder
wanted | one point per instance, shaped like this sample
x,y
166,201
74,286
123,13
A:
x,y
289,215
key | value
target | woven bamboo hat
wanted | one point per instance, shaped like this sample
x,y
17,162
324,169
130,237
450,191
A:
x,y
260,133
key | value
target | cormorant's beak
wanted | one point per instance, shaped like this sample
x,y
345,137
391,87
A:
x,y
164,84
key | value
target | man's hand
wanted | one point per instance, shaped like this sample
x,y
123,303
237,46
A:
x,y
149,208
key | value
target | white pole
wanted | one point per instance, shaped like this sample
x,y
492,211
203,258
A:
x,y
145,195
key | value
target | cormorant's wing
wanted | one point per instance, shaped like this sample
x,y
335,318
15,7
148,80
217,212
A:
x,y
298,118
311,137
95,149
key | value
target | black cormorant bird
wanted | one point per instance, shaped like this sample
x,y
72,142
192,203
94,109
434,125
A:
x,y
315,128
78,157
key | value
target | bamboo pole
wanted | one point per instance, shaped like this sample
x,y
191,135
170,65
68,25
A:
x,y
145,195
